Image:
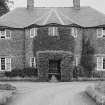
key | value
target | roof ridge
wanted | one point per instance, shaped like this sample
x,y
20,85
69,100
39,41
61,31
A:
x,y
57,15
49,14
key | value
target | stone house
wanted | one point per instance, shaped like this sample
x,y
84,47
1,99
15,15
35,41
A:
x,y
26,31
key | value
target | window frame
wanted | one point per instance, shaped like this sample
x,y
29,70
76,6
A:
x,y
100,67
102,35
53,31
74,32
34,63
76,60
5,35
34,33
6,64
3,64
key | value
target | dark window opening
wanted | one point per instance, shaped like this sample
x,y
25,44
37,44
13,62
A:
x,y
2,63
103,63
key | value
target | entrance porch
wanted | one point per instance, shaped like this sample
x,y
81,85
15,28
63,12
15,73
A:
x,y
55,63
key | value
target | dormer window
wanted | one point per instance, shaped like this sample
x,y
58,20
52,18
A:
x,y
53,31
33,32
101,32
5,34
74,32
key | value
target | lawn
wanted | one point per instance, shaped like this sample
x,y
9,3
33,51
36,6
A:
x,y
67,93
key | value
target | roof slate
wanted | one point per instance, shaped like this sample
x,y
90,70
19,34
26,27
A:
x,y
22,17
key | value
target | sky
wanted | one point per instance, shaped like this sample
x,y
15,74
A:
x,y
97,4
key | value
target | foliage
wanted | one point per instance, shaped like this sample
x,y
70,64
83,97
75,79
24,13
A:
x,y
3,7
87,58
96,95
98,74
43,41
7,87
78,72
66,66
26,72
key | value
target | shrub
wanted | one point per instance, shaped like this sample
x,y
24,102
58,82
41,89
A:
x,y
96,95
13,73
26,72
6,95
29,72
78,71
7,87
100,87
98,74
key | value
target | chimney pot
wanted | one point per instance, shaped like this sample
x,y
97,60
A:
x,y
76,4
30,4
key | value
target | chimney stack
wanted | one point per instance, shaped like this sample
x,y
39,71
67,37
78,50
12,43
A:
x,y
30,4
76,4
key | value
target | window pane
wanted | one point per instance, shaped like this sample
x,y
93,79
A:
x,y
35,31
2,63
103,32
32,32
74,32
8,33
2,37
8,64
104,63
99,33
53,31
99,63
32,62
2,32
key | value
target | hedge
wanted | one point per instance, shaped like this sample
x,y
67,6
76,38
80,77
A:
x,y
98,74
26,72
6,93
98,97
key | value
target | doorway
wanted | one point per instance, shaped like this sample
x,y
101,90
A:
x,y
54,69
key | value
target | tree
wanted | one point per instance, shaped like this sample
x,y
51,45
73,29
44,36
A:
x,y
4,6
87,58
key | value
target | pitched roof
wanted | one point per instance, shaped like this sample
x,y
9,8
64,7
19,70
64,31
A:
x,y
22,17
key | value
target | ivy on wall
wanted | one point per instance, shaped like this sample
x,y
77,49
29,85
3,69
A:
x,y
64,41
66,65
87,57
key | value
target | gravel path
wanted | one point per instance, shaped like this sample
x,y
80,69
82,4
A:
x,y
70,93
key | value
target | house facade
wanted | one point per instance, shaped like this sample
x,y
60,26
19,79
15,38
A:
x,y
26,31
